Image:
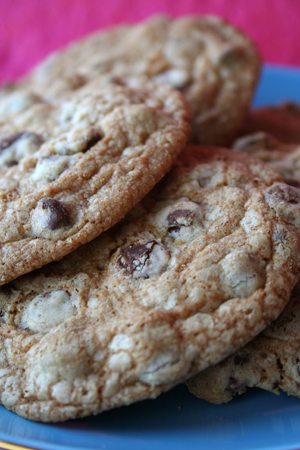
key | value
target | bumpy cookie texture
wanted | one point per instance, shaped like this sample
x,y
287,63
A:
x,y
281,121
73,167
215,65
282,157
271,361
199,267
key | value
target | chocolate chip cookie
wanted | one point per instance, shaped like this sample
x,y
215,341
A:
x,y
282,157
198,268
271,361
281,121
73,167
215,65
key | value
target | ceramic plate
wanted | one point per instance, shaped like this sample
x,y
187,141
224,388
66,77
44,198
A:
x,y
177,420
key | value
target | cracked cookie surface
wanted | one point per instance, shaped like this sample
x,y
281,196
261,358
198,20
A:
x,y
198,268
73,167
271,361
215,65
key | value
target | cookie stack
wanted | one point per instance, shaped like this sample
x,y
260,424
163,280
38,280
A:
x,y
271,360
111,293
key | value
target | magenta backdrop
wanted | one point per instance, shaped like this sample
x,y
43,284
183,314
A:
x,y
30,29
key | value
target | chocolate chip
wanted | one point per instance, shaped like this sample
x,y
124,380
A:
x,y
180,218
285,193
144,260
241,358
7,141
59,215
135,255
12,163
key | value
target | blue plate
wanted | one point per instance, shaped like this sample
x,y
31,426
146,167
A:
x,y
177,420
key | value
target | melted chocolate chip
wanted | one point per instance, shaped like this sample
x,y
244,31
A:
x,y
135,256
59,215
285,193
7,141
180,218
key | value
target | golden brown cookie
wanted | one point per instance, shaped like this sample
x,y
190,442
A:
x,y
282,157
271,361
281,121
198,268
215,65
73,167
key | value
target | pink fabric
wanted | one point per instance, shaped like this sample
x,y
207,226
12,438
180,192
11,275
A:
x,y
31,29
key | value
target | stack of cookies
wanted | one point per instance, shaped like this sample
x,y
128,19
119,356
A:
x,y
272,360
136,252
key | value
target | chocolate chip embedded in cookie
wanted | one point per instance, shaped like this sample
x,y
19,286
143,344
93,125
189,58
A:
x,y
72,168
49,215
144,259
16,146
189,276
214,64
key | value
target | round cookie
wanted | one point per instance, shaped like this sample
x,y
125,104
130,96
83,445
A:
x,y
270,361
282,157
281,121
215,65
198,268
73,167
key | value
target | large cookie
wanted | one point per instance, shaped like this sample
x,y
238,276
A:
x,y
281,121
282,157
215,65
271,361
199,267
73,167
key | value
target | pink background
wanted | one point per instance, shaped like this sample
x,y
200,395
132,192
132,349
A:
x,y
30,29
